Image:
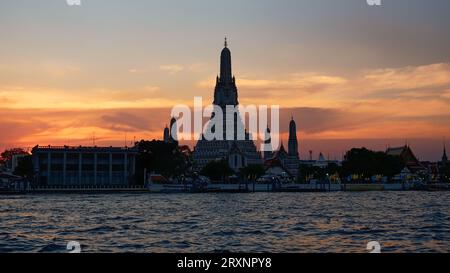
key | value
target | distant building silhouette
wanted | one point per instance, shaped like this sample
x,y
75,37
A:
x,y
289,160
84,166
444,167
320,162
166,137
170,134
444,156
408,158
293,143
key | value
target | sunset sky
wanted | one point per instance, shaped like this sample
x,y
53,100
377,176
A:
x,y
351,75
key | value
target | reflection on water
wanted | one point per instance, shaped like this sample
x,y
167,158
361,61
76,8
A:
x,y
257,222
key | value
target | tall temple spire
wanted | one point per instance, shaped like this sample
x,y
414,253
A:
x,y
444,156
293,143
225,92
225,64
166,134
236,151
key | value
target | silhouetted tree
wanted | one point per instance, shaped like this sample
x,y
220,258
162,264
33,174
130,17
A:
x,y
159,157
317,172
217,170
8,154
307,171
365,162
445,172
25,167
253,172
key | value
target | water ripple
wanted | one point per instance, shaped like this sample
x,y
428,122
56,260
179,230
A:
x,y
259,222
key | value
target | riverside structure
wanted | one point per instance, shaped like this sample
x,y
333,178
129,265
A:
x,y
80,166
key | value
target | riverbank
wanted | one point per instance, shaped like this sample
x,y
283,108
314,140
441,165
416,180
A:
x,y
232,188
327,187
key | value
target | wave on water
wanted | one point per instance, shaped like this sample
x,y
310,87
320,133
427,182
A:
x,y
259,222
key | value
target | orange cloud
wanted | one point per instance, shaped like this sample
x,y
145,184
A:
x,y
172,68
446,94
409,77
19,97
409,102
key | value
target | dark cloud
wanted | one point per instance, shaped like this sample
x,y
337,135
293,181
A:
x,y
316,120
439,120
123,121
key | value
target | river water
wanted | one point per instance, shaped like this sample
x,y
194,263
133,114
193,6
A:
x,y
248,222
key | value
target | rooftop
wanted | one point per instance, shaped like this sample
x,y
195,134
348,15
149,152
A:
x,y
396,151
84,148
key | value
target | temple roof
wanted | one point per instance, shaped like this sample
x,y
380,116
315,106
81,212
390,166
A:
x,y
407,156
281,152
397,151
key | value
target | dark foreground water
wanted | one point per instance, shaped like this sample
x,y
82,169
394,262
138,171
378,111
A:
x,y
259,222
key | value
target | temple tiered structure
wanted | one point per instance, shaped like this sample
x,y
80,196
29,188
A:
x,y
239,152
288,161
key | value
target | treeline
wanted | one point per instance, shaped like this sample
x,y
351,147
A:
x,y
364,164
159,157
368,163
25,163
171,160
